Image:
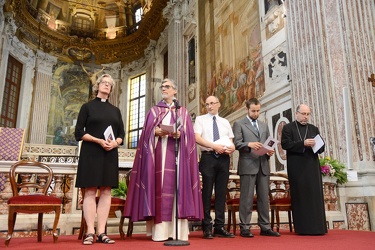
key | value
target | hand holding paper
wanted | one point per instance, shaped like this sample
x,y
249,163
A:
x,y
318,143
108,133
268,145
170,128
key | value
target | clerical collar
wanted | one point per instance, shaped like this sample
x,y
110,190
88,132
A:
x,y
103,100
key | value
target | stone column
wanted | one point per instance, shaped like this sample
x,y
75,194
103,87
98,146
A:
x,y
175,47
331,47
42,97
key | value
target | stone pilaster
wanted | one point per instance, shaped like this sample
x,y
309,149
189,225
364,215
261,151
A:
x,y
175,45
331,47
42,97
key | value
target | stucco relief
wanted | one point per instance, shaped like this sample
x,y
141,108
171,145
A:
x,y
276,69
274,21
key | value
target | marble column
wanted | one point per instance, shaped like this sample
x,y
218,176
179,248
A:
x,y
331,47
42,97
175,47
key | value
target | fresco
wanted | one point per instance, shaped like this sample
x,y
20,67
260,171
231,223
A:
x,y
232,54
70,89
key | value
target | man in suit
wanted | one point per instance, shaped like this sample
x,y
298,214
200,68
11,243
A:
x,y
254,171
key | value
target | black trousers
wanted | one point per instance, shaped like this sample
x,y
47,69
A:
x,y
215,173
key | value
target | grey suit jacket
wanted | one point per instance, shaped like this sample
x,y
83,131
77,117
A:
x,y
248,162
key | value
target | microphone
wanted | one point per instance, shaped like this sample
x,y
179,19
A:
x,y
176,104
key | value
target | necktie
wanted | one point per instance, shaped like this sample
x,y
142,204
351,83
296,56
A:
x,y
215,129
255,125
216,133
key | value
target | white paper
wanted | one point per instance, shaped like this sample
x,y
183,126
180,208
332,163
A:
x,y
170,128
224,141
108,133
268,145
318,143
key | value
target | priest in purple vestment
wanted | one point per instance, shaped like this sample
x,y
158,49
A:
x,y
151,192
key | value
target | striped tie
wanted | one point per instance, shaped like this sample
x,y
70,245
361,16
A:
x,y
255,125
216,130
216,133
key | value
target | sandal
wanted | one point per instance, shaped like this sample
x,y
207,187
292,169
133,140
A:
x,y
103,238
89,239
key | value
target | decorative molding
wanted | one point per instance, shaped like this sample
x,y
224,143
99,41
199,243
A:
x,y
19,50
276,68
273,21
141,64
45,62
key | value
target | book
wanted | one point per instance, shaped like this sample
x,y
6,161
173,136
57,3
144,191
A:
x,y
108,133
268,145
170,128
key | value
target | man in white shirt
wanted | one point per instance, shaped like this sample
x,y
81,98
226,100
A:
x,y
214,165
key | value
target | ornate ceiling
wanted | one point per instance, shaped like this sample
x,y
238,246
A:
x,y
103,31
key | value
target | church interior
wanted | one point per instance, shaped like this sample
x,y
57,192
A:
x,y
282,52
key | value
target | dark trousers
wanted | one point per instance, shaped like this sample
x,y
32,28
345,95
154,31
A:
x,y
215,172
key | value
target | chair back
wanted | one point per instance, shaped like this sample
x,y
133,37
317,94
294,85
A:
x,y
11,143
279,190
30,183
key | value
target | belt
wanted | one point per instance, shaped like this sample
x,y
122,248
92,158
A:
x,y
208,152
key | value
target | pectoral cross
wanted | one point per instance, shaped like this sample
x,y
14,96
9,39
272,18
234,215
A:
x,y
372,79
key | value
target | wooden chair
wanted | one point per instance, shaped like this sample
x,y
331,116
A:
x,y
117,204
280,200
30,196
233,206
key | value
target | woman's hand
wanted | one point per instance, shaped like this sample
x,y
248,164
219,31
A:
x,y
108,145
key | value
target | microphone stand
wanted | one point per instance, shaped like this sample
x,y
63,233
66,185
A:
x,y
176,242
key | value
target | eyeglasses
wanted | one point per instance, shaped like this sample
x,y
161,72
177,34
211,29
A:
x,y
105,83
210,104
304,114
166,86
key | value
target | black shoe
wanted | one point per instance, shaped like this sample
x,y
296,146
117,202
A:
x,y
269,232
221,232
207,234
246,233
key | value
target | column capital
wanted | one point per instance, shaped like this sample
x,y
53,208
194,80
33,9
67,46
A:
x,y
45,62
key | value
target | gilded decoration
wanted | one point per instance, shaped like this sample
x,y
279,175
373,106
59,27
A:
x,y
109,30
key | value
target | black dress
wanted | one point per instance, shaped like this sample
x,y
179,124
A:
x,y
306,188
97,167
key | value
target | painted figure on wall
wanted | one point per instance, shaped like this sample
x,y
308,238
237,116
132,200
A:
x,y
232,72
69,90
